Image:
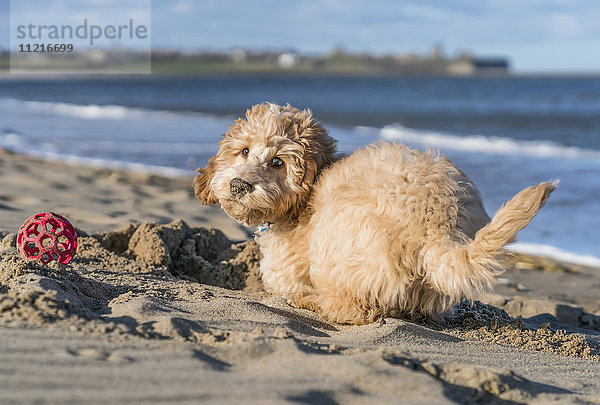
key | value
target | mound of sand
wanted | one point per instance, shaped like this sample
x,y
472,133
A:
x,y
484,322
127,266
126,271
198,254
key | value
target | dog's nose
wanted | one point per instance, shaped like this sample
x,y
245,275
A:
x,y
240,187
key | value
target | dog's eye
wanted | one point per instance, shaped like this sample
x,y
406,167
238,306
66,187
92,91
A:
x,y
277,162
245,152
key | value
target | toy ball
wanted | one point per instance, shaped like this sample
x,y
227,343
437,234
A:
x,y
46,237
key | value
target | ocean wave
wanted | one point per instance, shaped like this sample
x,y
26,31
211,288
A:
x,y
15,143
555,253
89,111
489,145
20,143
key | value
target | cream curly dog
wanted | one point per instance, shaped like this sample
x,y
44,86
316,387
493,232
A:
x,y
386,231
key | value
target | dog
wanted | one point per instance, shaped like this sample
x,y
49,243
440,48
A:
x,y
385,232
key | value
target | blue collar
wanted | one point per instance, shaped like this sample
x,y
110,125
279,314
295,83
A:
x,y
264,227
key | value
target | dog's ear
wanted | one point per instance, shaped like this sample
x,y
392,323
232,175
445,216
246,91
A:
x,y
202,183
319,147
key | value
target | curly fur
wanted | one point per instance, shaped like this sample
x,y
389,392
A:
x,y
386,231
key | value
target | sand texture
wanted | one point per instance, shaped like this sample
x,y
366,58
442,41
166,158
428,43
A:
x,y
163,303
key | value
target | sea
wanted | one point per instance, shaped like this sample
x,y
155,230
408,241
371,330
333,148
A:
x,y
505,133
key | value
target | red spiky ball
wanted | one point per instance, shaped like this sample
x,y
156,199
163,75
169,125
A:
x,y
46,237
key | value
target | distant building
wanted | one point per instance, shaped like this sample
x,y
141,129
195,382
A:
x,y
462,68
288,60
238,55
96,56
437,52
490,65
474,66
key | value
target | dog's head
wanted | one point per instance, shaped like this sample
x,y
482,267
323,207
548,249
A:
x,y
266,165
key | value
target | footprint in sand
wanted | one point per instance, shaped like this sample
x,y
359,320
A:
x,y
19,200
8,207
115,214
98,354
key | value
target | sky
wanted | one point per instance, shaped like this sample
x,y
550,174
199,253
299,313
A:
x,y
536,35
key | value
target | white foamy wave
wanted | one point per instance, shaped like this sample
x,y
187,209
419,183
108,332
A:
x,y
19,143
115,164
555,253
90,111
11,141
108,147
482,144
16,143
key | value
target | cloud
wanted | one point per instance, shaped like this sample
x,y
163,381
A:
x,y
564,25
182,7
423,12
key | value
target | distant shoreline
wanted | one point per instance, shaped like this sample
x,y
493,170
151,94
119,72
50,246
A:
x,y
6,75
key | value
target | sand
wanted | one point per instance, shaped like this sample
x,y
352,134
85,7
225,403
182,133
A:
x,y
163,303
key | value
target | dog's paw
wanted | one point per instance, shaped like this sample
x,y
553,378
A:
x,y
304,302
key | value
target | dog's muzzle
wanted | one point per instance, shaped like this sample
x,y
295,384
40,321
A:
x,y
239,187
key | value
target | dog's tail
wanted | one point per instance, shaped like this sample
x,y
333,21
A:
x,y
457,270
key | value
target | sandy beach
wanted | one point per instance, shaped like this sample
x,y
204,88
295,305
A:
x,y
163,303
